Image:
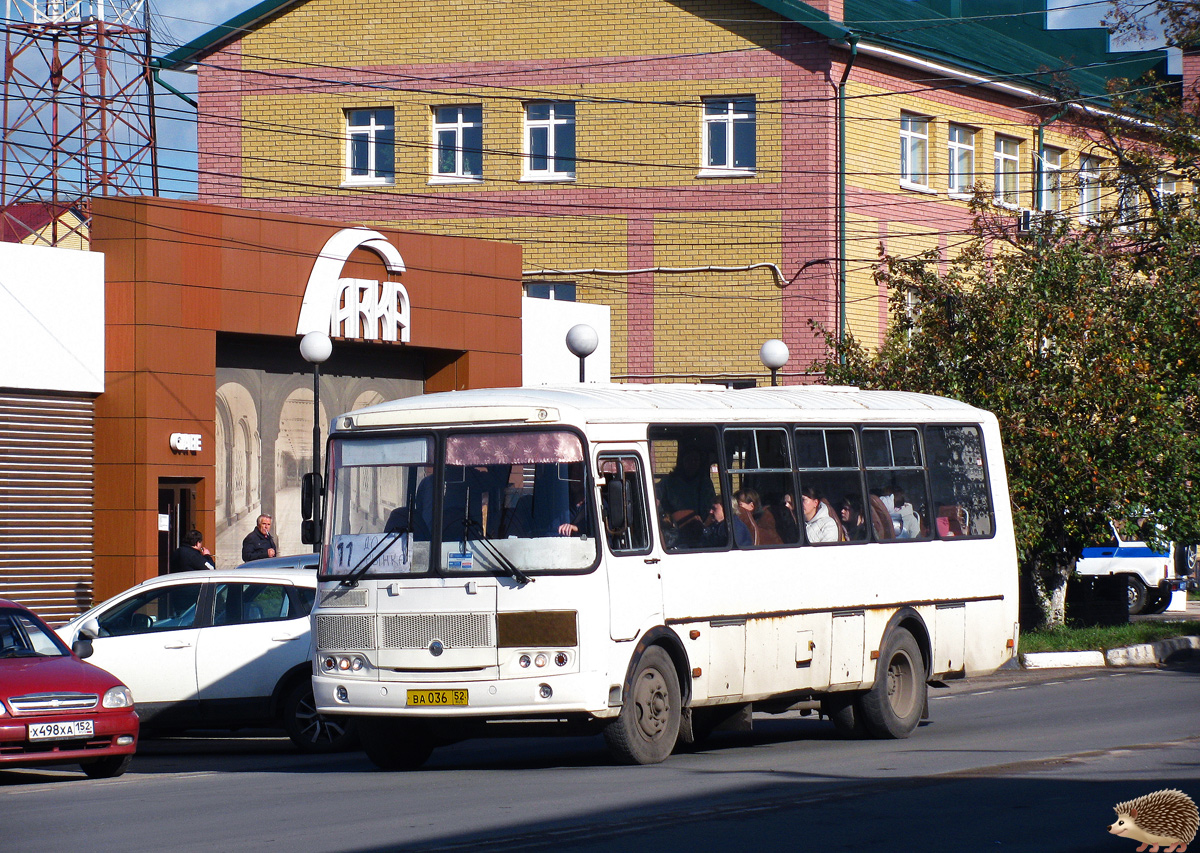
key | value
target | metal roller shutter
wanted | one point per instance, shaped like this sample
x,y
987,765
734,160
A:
x,y
46,480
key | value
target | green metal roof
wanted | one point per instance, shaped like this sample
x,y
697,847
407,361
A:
x,y
1004,40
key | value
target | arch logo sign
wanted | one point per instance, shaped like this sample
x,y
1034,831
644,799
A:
x,y
355,308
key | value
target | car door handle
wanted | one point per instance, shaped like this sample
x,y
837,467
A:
x,y
177,645
284,638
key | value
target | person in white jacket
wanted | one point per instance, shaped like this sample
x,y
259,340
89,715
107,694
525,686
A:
x,y
819,523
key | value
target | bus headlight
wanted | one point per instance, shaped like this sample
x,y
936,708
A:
x,y
342,663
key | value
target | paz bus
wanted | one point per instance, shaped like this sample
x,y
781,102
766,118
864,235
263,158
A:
x,y
655,562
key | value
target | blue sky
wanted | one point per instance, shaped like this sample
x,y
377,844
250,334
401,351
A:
x,y
179,21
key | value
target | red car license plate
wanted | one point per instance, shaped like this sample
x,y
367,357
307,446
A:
x,y
67,730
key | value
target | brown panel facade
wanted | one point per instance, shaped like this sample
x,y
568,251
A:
x,y
181,275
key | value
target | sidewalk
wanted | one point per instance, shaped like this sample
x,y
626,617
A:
x,y
1145,654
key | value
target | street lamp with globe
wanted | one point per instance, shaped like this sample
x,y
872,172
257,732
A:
x,y
582,341
774,354
315,347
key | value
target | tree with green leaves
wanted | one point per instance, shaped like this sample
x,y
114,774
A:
x,y
1088,352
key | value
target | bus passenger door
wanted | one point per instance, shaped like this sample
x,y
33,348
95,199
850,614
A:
x,y
634,587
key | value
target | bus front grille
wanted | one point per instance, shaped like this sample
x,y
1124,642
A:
x,y
454,630
345,632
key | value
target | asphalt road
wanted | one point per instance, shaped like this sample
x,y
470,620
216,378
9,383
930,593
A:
x,y
1024,761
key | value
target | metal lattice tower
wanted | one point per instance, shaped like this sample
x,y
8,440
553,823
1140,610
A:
x,y
78,114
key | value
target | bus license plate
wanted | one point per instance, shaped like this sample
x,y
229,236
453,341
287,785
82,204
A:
x,y
61,731
437,697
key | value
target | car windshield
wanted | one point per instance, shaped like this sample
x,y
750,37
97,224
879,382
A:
x,y
22,636
493,501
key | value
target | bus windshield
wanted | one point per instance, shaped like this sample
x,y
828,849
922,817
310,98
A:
x,y
486,503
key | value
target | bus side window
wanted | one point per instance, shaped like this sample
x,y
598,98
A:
x,y
623,504
958,480
896,477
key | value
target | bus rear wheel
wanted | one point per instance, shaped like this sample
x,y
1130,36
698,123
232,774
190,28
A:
x,y
395,744
893,707
648,725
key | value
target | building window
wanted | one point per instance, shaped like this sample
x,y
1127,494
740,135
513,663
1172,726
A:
x,y
550,140
1051,172
370,147
1128,204
557,291
914,151
730,140
1168,185
962,159
1089,187
458,143
1008,179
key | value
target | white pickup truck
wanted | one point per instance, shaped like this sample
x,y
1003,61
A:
x,y
1151,576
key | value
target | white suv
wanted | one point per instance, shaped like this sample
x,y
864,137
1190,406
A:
x,y
216,649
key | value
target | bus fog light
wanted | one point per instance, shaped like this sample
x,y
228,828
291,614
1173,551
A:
x,y
341,695
356,665
524,661
343,664
560,659
544,691
540,661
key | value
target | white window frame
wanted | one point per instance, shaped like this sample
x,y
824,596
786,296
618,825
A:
x,y
732,124
914,151
458,128
960,143
550,125
1051,171
1089,187
1006,165
372,133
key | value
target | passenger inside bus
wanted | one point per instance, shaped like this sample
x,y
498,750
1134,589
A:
x,y
759,523
686,494
820,524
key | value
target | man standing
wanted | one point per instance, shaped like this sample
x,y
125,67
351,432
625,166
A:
x,y
258,543
192,556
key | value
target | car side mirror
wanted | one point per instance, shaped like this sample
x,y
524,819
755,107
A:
x,y
82,647
89,630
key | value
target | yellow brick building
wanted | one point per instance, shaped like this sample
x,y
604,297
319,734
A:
x,y
716,173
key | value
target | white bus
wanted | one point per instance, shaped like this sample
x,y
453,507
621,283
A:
x,y
655,561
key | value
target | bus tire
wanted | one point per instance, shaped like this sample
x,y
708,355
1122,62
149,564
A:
x,y
1137,592
646,729
395,744
313,732
893,707
845,712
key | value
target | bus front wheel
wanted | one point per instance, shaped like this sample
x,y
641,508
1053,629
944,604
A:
x,y
893,707
648,725
395,744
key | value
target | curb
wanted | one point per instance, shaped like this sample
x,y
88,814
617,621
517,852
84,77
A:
x,y
1145,654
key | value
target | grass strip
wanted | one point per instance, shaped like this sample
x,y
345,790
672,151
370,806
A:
x,y
1063,639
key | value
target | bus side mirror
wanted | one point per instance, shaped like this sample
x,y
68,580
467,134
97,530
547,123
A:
x,y
614,494
310,508
310,496
310,532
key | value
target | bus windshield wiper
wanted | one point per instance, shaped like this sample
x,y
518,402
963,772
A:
x,y
372,556
506,565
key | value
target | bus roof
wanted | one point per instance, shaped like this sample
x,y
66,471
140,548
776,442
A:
x,y
618,403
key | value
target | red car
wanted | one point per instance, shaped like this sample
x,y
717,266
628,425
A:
x,y
56,709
